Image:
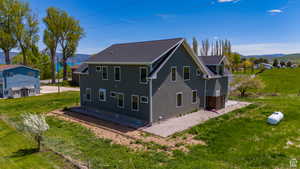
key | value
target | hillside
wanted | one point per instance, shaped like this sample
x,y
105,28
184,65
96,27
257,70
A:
x,y
77,59
292,57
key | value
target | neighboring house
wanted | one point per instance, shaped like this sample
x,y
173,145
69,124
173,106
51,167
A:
x,y
267,66
154,80
18,81
76,70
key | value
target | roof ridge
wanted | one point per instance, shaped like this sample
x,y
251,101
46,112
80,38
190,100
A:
x,y
147,41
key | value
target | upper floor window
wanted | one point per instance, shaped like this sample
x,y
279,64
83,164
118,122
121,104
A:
x,y
117,73
173,74
102,95
104,73
143,75
186,73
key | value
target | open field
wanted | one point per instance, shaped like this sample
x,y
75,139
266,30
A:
x,y
239,139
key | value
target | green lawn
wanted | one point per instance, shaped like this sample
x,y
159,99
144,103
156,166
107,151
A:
x,y
283,81
240,139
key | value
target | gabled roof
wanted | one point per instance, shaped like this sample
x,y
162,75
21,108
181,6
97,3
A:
x,y
134,53
81,68
212,60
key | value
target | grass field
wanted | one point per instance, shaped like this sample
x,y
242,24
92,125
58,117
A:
x,y
240,139
284,81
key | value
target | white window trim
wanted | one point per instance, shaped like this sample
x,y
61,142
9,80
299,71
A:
x,y
99,67
86,94
196,96
141,98
106,72
114,93
181,100
104,91
175,73
141,75
115,73
198,74
122,107
138,104
189,72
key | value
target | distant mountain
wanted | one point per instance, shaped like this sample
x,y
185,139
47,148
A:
x,y
269,56
77,59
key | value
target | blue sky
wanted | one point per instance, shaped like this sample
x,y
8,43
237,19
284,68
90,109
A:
x,y
253,26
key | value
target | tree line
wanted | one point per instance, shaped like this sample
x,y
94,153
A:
x,y
19,29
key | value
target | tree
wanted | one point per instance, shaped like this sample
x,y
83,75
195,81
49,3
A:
x,y
234,61
282,63
275,63
8,12
53,22
205,47
195,46
289,64
36,125
26,31
71,33
246,83
247,64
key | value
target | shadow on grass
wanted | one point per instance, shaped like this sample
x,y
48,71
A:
x,y
24,152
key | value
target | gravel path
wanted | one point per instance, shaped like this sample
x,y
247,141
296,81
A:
x,y
174,125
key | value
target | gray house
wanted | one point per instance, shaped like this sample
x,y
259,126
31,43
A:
x,y
152,81
18,81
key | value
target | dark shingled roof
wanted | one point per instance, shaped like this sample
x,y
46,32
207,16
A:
x,y
81,68
137,52
211,60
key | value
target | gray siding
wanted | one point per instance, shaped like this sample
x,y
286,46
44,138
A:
x,y
164,91
129,85
221,84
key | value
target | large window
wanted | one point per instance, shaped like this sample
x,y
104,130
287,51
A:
x,y
120,100
179,99
102,95
143,75
117,73
104,73
135,103
173,74
194,96
88,94
186,73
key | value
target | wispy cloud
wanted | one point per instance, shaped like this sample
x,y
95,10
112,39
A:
x,y
275,11
165,16
226,1
267,48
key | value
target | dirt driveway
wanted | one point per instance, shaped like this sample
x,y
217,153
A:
x,y
54,89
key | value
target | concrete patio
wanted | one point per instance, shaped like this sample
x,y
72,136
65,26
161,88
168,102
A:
x,y
178,124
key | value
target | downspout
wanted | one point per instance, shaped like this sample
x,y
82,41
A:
x,y
150,96
204,93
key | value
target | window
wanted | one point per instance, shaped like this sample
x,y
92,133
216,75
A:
x,y
117,73
120,100
88,94
135,103
218,92
186,73
113,94
143,75
173,74
98,68
179,99
144,99
102,95
104,73
194,96
198,72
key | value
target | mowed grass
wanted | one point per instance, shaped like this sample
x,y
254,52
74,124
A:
x,y
282,81
18,152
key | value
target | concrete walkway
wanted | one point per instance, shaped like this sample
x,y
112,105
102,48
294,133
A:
x,y
178,124
53,89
